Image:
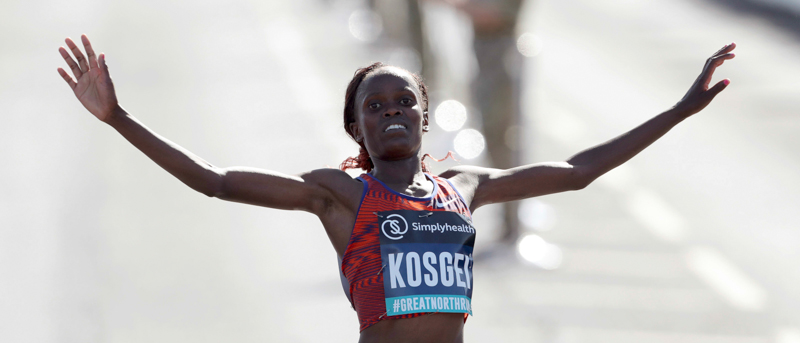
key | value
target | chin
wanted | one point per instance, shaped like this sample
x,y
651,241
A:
x,y
399,151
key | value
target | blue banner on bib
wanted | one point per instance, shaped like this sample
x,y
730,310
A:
x,y
427,261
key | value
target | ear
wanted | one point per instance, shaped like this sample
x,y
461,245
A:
x,y
425,121
356,131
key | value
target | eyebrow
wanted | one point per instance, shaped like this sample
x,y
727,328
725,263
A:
x,y
406,88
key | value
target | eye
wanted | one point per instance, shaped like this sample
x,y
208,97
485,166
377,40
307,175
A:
x,y
406,101
374,106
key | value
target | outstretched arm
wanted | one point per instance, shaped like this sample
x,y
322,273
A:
x,y
486,185
313,192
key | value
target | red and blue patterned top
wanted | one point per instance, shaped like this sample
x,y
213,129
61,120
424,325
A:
x,y
364,267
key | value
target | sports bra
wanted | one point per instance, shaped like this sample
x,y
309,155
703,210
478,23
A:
x,y
409,256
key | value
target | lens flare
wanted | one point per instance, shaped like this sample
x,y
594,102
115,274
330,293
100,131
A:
x,y
536,215
450,115
365,25
406,58
529,45
535,250
469,143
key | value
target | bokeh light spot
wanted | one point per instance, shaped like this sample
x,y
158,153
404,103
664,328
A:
x,y
529,45
406,58
450,115
365,25
469,143
535,250
536,215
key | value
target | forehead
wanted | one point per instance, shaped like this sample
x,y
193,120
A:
x,y
386,78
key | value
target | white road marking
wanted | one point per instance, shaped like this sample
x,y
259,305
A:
x,y
787,335
612,296
656,215
564,127
619,179
645,265
661,219
305,77
729,281
586,334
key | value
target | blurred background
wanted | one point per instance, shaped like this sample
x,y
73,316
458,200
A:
x,y
694,240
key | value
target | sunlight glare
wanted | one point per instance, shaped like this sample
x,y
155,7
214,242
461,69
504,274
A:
x,y
450,115
365,25
529,45
535,250
536,215
406,58
469,143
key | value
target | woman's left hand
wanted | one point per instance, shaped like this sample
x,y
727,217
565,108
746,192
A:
x,y
699,95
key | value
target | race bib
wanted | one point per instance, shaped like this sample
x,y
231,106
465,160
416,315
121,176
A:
x,y
427,261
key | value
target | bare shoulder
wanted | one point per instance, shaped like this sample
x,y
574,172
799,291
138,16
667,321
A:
x,y
466,179
466,172
330,177
343,187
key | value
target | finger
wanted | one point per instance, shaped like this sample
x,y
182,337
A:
x,y
103,64
89,52
719,87
78,55
725,49
67,78
718,60
70,62
726,56
711,66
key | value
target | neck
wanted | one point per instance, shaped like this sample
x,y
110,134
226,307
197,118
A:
x,y
402,171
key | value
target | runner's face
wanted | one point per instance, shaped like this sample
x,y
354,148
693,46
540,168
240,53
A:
x,y
389,117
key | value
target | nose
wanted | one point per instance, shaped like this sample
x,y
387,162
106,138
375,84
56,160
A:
x,y
392,111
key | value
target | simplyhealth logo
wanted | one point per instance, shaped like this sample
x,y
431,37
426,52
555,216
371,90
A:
x,y
397,225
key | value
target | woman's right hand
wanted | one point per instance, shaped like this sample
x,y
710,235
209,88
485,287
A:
x,y
94,88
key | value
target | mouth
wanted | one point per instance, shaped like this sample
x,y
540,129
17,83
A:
x,y
395,127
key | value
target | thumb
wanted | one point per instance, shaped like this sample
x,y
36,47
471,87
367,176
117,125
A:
x,y
719,87
103,62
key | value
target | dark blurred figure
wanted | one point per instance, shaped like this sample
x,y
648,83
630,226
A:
x,y
402,25
496,89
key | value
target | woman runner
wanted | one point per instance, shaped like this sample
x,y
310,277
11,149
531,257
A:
x,y
404,237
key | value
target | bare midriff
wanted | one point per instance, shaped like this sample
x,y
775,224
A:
x,y
437,327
